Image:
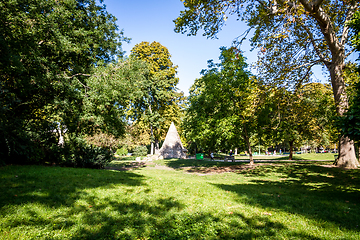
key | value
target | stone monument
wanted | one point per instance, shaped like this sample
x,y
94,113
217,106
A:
x,y
172,146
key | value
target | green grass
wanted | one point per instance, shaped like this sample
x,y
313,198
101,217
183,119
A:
x,y
166,201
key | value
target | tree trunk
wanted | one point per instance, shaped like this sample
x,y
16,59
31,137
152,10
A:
x,y
247,140
291,143
151,139
157,147
151,133
347,157
336,45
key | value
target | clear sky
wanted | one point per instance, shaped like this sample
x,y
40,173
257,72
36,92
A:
x,y
152,20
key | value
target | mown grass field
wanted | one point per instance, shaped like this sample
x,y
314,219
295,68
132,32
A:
x,y
180,199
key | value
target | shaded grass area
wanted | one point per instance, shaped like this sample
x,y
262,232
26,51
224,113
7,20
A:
x,y
273,201
306,156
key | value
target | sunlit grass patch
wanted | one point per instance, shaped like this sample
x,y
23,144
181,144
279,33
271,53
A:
x,y
270,201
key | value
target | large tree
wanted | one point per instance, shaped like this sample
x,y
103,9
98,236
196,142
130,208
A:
x,y
157,97
223,105
47,51
293,35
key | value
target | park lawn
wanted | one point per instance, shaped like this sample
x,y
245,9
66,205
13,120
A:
x,y
175,199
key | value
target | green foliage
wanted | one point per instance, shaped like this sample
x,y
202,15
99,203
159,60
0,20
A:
x,y
289,34
350,122
47,51
292,37
140,151
103,140
78,153
296,117
122,151
222,104
355,25
156,102
109,92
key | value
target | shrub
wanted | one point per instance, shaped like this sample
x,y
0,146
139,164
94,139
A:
x,y
140,151
122,151
103,140
80,154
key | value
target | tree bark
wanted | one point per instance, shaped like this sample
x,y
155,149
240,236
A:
x,y
151,139
247,140
157,147
347,157
291,143
151,133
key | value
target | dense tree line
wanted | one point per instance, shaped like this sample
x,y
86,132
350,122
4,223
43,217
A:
x,y
66,90
293,36
229,108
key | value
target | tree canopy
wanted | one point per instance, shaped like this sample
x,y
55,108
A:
x,y
157,102
48,50
293,36
222,105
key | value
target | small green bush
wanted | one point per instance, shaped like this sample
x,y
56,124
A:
x,y
80,154
122,151
140,151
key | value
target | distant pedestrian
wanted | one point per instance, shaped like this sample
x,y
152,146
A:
x,y
230,154
212,156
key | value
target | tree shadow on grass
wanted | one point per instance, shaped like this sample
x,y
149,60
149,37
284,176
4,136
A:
x,y
330,195
117,217
56,186
143,221
181,163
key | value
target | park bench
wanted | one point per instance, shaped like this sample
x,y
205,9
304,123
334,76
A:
x,y
227,158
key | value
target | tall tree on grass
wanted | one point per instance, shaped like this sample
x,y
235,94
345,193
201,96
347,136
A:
x,y
223,104
294,36
158,92
47,51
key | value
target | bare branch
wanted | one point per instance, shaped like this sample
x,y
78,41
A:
x,y
307,64
307,74
349,53
325,24
79,74
312,40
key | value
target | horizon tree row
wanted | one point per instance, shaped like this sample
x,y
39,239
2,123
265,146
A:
x,y
292,37
63,76
230,108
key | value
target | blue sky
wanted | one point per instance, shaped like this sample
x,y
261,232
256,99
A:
x,y
152,20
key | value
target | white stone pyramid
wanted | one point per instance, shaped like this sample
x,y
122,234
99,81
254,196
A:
x,y
172,146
